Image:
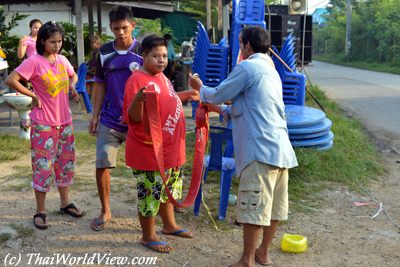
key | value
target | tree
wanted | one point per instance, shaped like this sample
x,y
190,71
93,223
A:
x,y
8,42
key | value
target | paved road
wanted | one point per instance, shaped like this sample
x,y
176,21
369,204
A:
x,y
373,97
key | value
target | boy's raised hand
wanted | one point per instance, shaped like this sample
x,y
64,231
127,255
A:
x,y
195,81
141,95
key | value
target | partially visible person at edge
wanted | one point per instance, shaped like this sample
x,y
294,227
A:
x,y
263,152
52,133
171,56
27,44
140,156
115,63
95,43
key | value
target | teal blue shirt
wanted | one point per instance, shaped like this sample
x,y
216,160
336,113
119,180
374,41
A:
x,y
258,113
171,51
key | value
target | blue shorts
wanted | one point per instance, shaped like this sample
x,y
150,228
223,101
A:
x,y
107,144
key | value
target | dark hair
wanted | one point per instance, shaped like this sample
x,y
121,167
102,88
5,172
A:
x,y
258,38
120,13
168,36
33,22
45,32
151,41
95,38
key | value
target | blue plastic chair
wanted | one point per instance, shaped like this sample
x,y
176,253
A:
x,y
81,87
219,160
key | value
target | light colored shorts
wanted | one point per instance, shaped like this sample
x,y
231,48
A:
x,y
151,190
263,194
107,144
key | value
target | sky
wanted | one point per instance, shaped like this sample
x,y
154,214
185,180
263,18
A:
x,y
313,4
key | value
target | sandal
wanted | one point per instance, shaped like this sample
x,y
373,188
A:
x,y
67,210
98,225
157,245
42,216
180,233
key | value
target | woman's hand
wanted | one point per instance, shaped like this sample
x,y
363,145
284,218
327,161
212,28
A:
x,y
195,82
75,95
36,102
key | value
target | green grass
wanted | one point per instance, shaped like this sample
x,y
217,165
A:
x,y
341,60
352,161
4,237
23,231
12,147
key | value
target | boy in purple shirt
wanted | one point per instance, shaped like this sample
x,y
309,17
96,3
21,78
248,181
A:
x,y
115,63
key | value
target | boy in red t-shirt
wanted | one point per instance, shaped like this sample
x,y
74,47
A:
x,y
140,155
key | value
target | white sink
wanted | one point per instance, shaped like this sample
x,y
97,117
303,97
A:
x,y
22,104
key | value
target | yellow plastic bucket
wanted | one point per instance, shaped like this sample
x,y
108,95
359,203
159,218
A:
x,y
294,243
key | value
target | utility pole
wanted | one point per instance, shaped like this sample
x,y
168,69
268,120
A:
x,y
348,27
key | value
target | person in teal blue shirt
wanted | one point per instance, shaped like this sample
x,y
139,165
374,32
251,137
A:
x,y
171,56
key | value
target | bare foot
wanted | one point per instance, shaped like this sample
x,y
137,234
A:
x,y
262,258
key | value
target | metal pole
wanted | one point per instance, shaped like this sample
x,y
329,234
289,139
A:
x,y
348,27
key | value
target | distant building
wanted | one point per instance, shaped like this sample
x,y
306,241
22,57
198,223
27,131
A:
x,y
62,10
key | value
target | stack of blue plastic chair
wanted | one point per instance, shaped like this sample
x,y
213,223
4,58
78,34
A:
x,y
244,12
293,83
220,160
308,127
81,87
210,60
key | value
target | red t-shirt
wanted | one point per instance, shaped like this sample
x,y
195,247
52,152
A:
x,y
139,149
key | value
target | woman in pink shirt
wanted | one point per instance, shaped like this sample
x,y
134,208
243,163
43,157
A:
x,y
52,136
27,44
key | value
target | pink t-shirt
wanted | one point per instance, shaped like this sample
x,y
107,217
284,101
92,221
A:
x,y
30,46
139,149
51,84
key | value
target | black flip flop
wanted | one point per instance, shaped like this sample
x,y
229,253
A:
x,y
67,208
42,216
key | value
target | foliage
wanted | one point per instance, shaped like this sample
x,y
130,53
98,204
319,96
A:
x,y
375,32
146,26
9,43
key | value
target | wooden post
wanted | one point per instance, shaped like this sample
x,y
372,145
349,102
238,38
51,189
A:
x,y
98,2
90,16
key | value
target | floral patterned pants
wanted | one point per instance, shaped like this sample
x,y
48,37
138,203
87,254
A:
x,y
53,150
151,189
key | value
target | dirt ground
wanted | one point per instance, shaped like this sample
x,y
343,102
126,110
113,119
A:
x,y
339,233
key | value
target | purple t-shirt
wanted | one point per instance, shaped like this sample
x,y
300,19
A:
x,y
114,68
